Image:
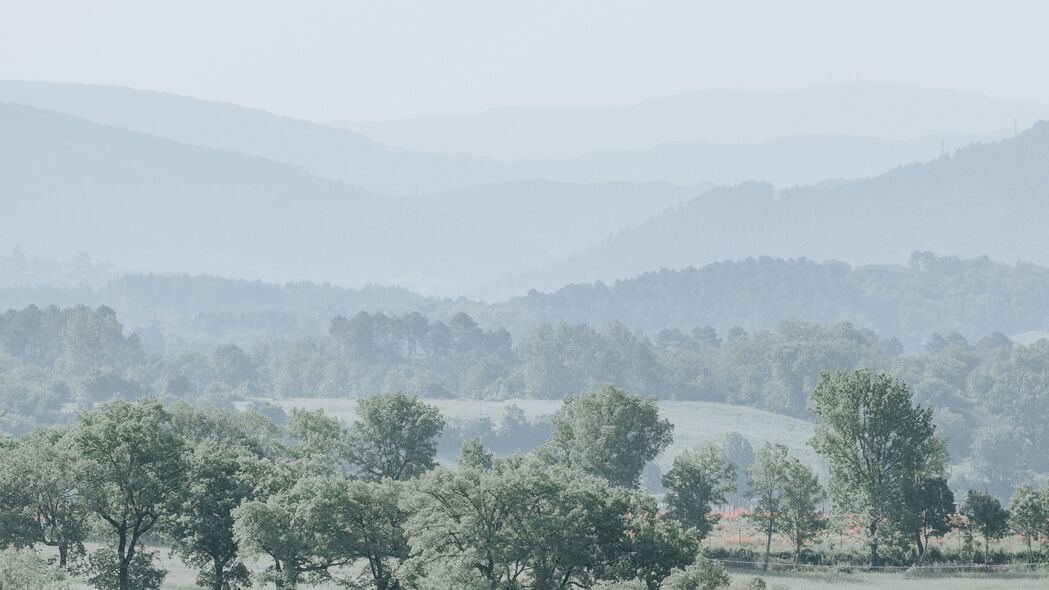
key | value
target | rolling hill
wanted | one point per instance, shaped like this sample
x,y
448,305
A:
x,y
335,154
987,199
68,185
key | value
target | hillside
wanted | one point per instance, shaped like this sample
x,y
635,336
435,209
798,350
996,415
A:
x,y
335,154
986,199
909,302
559,219
719,116
783,162
147,203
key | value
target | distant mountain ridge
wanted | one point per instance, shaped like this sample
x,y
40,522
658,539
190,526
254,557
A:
x,y
70,185
987,199
864,109
335,154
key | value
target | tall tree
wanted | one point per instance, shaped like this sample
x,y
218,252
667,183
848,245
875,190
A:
x,y
875,440
739,450
801,519
932,506
394,437
698,481
1029,515
609,433
766,482
43,467
986,515
132,465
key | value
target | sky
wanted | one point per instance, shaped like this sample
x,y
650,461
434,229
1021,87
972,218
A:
x,y
388,59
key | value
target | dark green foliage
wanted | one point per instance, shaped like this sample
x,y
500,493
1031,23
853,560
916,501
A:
x,y
698,482
877,444
987,517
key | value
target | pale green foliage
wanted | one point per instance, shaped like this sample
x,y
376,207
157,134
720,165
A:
x,y
474,455
321,441
27,570
395,437
801,519
623,585
609,433
876,442
698,481
529,525
39,479
766,481
1029,514
704,574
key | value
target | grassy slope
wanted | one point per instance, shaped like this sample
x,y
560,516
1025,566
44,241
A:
x,y
694,422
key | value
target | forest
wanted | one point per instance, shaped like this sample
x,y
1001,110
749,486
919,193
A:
x,y
989,394
238,497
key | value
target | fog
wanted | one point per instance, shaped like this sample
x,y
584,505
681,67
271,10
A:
x,y
523,296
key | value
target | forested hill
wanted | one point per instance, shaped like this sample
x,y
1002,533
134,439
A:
x,y
928,295
987,199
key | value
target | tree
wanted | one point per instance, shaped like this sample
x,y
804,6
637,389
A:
x,y
655,546
767,479
698,480
875,441
801,518
523,524
132,466
1029,515
609,433
474,455
739,450
201,522
287,528
933,506
43,468
986,515
394,437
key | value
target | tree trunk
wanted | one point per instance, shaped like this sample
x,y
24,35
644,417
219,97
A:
x,y
872,530
920,546
125,555
768,544
986,550
220,574
63,555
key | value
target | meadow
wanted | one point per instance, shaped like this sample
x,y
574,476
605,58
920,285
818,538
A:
x,y
694,422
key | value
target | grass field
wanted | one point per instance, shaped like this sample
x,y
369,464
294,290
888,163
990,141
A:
x,y
694,422
182,578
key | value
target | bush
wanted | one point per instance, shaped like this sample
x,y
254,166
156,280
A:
x,y
103,568
704,574
25,569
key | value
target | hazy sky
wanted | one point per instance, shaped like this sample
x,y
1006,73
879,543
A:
x,y
389,59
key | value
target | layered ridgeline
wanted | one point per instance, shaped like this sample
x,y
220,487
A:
x,y
695,149
987,199
719,116
148,203
909,302
335,154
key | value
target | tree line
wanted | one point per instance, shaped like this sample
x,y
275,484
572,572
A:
x,y
368,505
989,394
